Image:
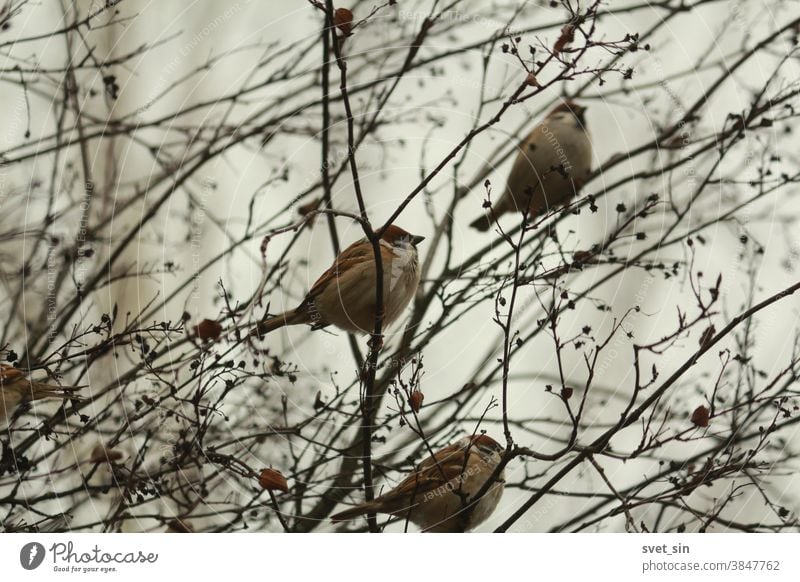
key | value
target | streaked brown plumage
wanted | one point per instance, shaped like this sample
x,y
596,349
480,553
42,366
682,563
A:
x,y
434,495
15,388
344,296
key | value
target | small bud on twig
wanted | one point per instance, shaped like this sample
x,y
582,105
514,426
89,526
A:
x,y
208,329
272,480
700,416
567,36
308,207
343,20
707,336
415,400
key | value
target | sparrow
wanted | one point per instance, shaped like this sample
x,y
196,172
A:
x,y
435,496
344,296
552,165
15,388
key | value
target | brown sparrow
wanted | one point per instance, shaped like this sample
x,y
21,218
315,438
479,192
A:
x,y
551,167
436,494
344,295
15,388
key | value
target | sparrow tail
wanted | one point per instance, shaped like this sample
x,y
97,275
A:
x,y
353,512
40,391
292,317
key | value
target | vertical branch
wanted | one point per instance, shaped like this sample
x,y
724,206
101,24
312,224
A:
x,y
506,326
88,178
327,197
376,341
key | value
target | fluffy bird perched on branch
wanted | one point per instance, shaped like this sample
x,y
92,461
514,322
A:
x,y
551,167
344,296
15,388
437,496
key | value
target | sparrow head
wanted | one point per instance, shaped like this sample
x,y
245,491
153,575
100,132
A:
x,y
486,445
9,374
569,110
396,236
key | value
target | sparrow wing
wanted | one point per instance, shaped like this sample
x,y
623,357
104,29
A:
x,y
32,390
434,472
527,164
352,255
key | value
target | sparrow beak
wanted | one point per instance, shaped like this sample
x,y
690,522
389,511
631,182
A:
x,y
580,113
415,240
